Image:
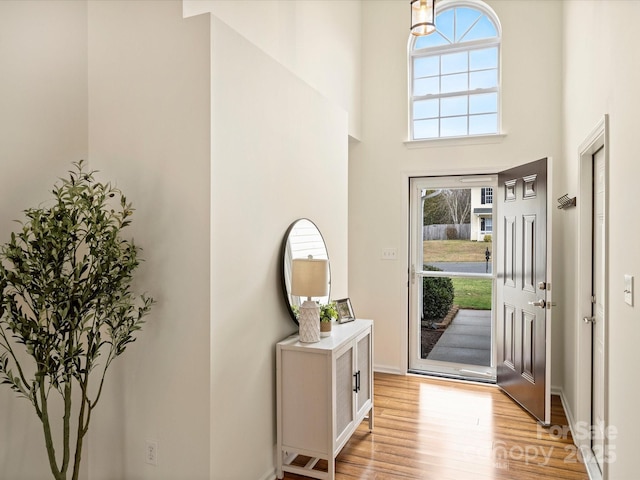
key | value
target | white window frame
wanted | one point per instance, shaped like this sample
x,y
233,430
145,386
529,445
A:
x,y
483,223
454,48
484,196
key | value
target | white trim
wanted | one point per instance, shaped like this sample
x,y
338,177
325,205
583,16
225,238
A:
x,y
592,468
271,475
598,138
455,141
549,292
390,370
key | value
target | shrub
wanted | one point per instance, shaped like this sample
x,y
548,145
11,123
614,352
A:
x,y
452,233
487,238
437,295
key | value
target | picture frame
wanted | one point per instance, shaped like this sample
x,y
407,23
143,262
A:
x,y
345,311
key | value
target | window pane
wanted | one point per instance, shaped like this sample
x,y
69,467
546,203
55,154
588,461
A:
x,y
433,40
483,79
488,225
451,106
483,59
455,62
425,109
444,24
483,29
464,19
480,124
453,127
455,83
425,129
483,103
426,66
426,86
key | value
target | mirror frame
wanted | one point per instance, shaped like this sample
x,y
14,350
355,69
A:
x,y
283,249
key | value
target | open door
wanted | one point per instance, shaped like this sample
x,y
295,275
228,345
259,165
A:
x,y
523,297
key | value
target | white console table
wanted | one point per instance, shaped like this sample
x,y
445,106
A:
x,y
324,391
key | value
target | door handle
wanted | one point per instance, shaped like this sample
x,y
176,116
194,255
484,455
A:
x,y
539,303
589,319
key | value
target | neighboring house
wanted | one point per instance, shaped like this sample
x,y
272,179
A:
x,y
481,213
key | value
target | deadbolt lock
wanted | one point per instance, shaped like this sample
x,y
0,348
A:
x,y
544,286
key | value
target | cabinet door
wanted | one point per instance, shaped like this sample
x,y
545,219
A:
x,y
363,366
344,416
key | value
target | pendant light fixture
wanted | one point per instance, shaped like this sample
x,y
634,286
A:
x,y
423,17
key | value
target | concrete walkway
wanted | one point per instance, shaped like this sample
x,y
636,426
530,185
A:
x,y
466,340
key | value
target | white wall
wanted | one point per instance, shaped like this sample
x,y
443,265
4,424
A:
x,y
149,132
602,76
380,166
215,187
279,152
318,40
43,128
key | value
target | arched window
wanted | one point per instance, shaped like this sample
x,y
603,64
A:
x,y
455,74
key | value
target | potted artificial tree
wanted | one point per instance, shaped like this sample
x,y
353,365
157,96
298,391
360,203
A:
x,y
67,309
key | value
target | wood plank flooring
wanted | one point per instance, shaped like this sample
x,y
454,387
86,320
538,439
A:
x,y
433,429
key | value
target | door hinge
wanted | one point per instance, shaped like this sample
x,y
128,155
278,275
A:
x,y
593,299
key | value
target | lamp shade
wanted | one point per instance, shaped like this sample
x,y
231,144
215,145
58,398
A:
x,y
309,277
423,15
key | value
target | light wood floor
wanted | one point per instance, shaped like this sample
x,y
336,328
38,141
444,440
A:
x,y
436,429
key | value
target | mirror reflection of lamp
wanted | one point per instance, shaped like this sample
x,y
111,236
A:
x,y
309,278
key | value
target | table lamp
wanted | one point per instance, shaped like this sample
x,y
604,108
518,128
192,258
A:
x,y
309,278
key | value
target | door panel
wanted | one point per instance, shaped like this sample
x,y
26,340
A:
x,y
522,294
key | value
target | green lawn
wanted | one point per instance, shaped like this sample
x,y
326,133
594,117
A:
x,y
455,250
472,293
469,292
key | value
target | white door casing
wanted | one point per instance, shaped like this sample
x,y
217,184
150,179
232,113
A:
x,y
598,318
590,373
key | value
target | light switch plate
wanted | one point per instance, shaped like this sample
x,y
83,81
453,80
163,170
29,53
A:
x,y
628,289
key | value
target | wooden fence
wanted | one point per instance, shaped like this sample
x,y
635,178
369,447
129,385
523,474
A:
x,y
447,232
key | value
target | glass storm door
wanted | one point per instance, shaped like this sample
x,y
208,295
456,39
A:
x,y
452,276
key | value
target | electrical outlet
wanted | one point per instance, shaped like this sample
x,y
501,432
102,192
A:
x,y
389,254
151,452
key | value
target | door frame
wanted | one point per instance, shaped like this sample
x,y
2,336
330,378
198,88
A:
x,y
596,140
452,370
405,179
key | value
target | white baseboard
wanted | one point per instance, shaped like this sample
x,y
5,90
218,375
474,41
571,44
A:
x,y
271,475
386,369
592,468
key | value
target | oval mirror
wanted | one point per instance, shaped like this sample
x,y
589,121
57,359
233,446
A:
x,y
301,240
